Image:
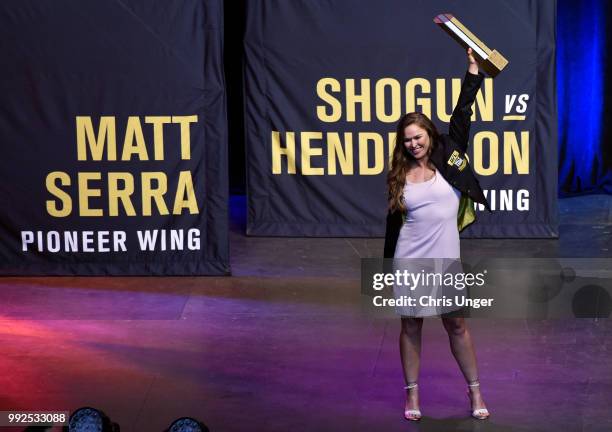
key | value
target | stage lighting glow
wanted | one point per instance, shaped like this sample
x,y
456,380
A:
x,y
86,420
186,424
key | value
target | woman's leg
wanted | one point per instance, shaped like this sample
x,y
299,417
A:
x,y
463,350
410,352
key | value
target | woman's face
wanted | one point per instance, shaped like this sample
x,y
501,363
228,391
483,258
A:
x,y
416,141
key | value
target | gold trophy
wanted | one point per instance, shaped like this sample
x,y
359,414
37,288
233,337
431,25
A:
x,y
490,60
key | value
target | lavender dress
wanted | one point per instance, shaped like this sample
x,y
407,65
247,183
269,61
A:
x,y
429,231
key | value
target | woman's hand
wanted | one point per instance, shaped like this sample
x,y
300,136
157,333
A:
x,y
472,63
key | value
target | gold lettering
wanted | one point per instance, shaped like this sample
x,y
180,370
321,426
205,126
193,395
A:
x,y
392,136
412,102
85,192
134,141
364,139
116,194
441,97
336,106
64,198
396,109
158,123
342,154
185,121
185,195
363,99
278,152
149,193
484,103
512,152
308,152
106,133
493,141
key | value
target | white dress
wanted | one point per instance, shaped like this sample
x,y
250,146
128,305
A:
x,y
429,231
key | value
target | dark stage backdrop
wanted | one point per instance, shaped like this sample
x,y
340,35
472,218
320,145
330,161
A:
x,y
326,81
113,137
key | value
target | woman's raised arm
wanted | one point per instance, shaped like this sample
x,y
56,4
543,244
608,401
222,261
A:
x,y
459,128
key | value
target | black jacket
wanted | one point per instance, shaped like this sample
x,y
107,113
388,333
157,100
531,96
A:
x,y
448,156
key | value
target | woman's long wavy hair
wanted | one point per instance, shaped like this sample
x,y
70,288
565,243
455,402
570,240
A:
x,y
402,160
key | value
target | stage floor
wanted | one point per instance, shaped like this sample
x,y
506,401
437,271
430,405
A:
x,y
283,345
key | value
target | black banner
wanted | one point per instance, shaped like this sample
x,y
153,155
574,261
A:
x,y
326,82
113,135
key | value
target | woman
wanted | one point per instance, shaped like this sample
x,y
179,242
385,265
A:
x,y
432,190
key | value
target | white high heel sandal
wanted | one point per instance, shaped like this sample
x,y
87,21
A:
x,y
412,414
480,413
